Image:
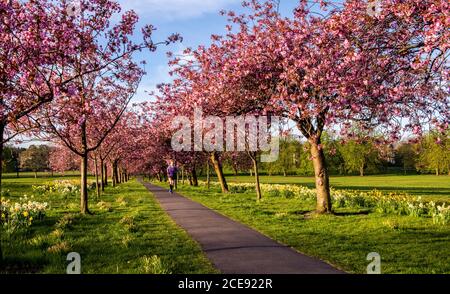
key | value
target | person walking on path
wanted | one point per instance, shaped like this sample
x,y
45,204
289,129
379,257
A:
x,y
172,174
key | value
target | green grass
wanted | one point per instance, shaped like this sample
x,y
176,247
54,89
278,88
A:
x,y
430,186
406,244
122,240
40,175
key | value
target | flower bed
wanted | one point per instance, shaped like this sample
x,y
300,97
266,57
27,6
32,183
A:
x,y
400,204
63,188
21,215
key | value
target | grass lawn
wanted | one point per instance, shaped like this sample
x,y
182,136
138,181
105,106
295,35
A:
x,y
428,186
122,236
406,244
40,175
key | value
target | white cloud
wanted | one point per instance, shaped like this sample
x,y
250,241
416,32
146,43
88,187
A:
x,y
176,9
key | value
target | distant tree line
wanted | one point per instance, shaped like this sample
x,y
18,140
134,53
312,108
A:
x,y
32,159
429,155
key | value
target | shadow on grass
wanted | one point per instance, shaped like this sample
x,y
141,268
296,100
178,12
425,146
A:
x,y
21,266
351,213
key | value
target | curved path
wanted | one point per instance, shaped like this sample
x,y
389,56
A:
x,y
232,247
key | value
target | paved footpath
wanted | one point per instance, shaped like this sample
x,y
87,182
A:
x,y
232,247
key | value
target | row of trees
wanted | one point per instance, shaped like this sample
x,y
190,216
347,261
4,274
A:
x,y
345,69
67,75
68,78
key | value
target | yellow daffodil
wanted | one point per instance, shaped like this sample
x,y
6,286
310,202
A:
x,y
25,213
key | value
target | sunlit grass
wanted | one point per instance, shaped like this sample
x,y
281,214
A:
x,y
106,243
429,186
406,244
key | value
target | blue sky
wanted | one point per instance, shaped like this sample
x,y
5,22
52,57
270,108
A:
x,y
195,20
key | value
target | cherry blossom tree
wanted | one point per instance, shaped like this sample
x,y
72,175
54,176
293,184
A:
x,y
63,159
385,73
37,42
83,116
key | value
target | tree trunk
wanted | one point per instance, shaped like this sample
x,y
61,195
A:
x,y
114,178
102,171
118,174
115,173
361,171
236,172
194,177
251,173
208,175
105,184
35,174
2,132
182,175
322,178
437,171
219,172
84,191
97,185
257,184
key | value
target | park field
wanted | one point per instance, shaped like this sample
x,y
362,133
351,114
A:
x,y
130,233
428,186
407,245
127,233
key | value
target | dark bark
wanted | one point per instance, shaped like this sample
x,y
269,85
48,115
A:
x,y
113,169
102,171
106,176
208,175
84,171
84,190
256,171
97,183
191,183
219,172
235,170
194,176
